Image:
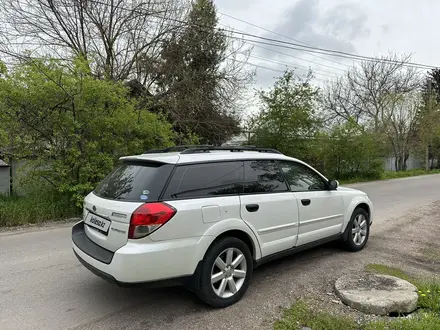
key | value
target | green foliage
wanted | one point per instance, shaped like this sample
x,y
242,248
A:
x,y
46,205
193,80
389,175
404,174
73,127
387,270
300,315
429,295
422,321
288,121
351,152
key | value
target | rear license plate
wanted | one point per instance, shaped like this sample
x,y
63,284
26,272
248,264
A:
x,y
97,222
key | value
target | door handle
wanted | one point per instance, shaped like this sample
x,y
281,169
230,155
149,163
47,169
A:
x,y
306,202
252,207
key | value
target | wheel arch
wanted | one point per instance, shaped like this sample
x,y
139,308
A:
x,y
241,235
363,205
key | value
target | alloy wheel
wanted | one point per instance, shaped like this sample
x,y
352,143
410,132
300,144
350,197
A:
x,y
228,272
359,229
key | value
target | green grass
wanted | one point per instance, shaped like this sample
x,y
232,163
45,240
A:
x,y
300,315
35,208
422,321
388,175
427,318
387,270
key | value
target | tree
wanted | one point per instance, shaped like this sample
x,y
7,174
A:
x,y
288,121
74,126
433,79
200,79
379,95
114,36
186,67
400,129
428,126
363,93
352,152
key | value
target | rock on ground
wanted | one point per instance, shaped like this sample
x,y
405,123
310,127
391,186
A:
x,y
377,294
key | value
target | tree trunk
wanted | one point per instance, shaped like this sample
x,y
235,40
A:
x,y
427,158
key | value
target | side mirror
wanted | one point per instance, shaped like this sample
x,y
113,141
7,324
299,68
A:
x,y
333,184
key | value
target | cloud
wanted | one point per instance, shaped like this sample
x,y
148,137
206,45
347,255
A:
x,y
335,29
303,15
384,28
346,21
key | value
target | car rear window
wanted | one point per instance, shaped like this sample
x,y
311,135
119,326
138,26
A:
x,y
135,182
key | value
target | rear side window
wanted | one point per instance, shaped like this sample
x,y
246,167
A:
x,y
206,180
263,176
135,182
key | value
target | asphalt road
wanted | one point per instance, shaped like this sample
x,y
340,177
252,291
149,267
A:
x,y
43,286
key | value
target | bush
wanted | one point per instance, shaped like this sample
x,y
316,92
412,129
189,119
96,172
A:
x,y
351,152
75,127
36,208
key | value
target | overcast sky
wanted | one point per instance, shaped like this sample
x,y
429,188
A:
x,y
367,28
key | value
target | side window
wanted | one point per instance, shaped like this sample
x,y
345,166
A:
x,y
301,178
263,176
205,180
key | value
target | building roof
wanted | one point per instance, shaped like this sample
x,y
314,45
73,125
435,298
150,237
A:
x,y
3,164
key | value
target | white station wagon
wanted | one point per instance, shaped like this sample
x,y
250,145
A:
x,y
205,217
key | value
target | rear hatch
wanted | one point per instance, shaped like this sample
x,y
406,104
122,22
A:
x,y
108,209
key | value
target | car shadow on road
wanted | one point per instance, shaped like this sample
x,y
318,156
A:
x,y
176,293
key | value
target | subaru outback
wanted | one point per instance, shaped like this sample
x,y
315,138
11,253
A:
x,y
205,217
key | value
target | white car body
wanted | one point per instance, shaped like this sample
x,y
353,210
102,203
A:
x,y
280,226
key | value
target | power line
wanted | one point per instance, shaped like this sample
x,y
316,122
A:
x,y
267,68
290,55
406,64
284,44
316,50
280,43
295,57
281,35
292,66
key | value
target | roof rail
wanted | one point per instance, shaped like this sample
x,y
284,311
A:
x,y
176,148
228,148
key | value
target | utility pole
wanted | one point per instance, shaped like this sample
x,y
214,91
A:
x,y
428,123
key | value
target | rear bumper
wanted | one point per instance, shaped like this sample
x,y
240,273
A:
x,y
86,245
146,263
178,281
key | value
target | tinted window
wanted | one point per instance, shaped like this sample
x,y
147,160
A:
x,y
263,176
135,182
302,178
204,180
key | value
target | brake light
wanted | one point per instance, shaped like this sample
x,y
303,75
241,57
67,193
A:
x,y
148,218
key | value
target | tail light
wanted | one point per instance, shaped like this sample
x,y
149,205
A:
x,y
148,218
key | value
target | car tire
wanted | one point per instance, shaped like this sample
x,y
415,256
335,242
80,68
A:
x,y
217,279
357,232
